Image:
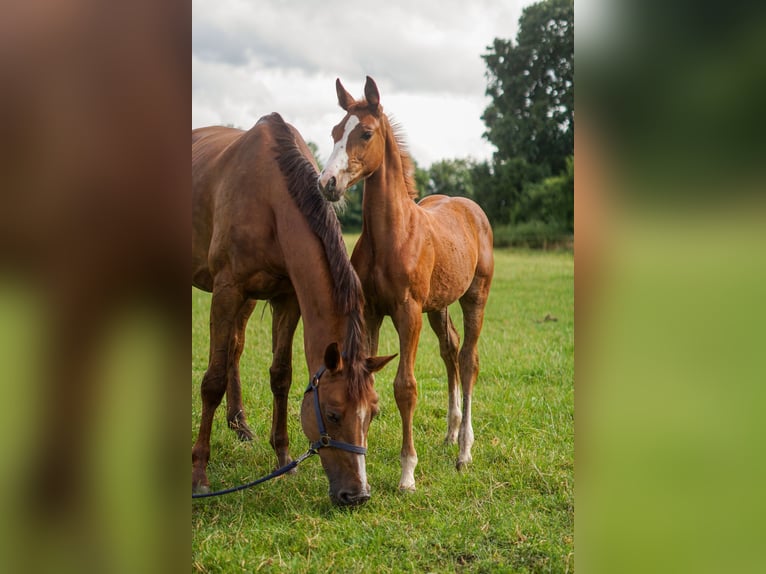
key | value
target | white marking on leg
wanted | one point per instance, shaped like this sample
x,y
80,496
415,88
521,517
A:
x,y
465,440
454,416
338,161
409,462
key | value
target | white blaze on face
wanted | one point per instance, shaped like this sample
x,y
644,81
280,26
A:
x,y
360,460
338,161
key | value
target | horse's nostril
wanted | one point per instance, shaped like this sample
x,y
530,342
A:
x,y
328,189
347,498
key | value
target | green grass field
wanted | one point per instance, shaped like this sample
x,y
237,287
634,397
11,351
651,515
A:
x,y
512,510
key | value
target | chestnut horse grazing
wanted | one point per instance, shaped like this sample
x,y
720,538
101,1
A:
x,y
412,258
261,230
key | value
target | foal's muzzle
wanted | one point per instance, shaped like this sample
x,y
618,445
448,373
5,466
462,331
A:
x,y
330,189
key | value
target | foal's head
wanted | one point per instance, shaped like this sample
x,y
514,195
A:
x,y
338,406
360,141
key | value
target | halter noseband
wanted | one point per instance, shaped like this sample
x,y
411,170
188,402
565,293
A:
x,y
324,438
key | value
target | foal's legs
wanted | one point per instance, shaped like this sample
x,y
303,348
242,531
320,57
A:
x,y
225,307
285,316
473,303
449,342
372,323
234,409
408,319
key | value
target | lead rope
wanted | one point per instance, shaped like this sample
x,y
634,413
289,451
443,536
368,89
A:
x,y
279,472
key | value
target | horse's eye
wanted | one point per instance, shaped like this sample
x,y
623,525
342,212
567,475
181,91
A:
x,y
366,136
333,418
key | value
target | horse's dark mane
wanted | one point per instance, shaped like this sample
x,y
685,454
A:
x,y
301,177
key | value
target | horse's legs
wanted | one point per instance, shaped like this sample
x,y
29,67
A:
x,y
372,323
224,310
235,411
286,314
449,342
473,303
408,320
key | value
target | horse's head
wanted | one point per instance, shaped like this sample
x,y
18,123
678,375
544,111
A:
x,y
336,422
359,142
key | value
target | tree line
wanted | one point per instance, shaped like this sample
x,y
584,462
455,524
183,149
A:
x,y
527,188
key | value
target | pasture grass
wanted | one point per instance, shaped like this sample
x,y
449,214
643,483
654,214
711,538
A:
x,y
511,510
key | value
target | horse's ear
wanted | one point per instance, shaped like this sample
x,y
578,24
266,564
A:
x,y
371,95
374,364
344,98
332,358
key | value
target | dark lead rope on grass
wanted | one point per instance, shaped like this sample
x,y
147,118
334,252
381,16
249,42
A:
x,y
279,472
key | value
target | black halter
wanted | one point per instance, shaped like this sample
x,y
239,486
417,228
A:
x,y
324,441
324,438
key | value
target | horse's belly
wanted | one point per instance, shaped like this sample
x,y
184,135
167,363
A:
x,y
266,285
442,296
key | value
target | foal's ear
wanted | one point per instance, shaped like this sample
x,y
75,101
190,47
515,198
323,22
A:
x,y
332,358
371,95
344,98
374,364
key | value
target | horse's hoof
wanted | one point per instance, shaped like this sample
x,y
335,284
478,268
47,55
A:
x,y
406,488
461,464
243,431
245,434
200,489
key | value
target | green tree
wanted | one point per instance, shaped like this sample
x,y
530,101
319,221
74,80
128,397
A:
x,y
498,188
421,179
550,201
531,84
451,177
350,213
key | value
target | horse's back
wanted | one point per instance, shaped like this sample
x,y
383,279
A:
x,y
237,183
207,144
213,150
448,212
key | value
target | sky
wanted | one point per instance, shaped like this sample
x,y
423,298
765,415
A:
x,y
254,57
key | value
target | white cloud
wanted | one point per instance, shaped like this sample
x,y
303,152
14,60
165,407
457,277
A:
x,y
252,58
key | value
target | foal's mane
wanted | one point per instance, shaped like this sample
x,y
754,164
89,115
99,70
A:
x,y
302,177
408,167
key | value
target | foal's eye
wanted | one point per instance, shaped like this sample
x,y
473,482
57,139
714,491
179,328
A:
x,y
366,136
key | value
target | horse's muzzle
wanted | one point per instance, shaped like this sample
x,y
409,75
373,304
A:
x,y
348,498
329,190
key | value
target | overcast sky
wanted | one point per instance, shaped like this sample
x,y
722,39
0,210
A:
x,y
253,57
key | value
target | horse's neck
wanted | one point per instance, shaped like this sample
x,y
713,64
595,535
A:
x,y
313,284
386,205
